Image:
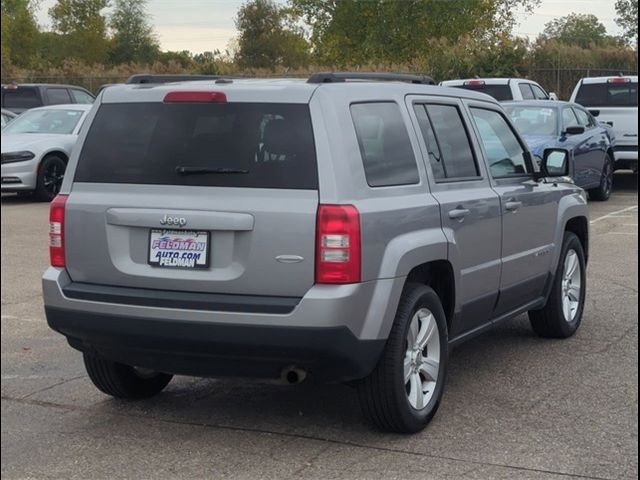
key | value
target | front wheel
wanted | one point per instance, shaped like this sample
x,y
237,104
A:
x,y
403,392
603,191
562,315
124,381
50,176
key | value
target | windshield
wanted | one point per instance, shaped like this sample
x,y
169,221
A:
x,y
534,120
45,121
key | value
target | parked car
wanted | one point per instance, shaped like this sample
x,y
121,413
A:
x,y
344,230
503,89
554,124
36,147
614,100
21,97
7,116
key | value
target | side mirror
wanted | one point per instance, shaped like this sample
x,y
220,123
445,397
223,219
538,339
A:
x,y
595,113
555,163
553,96
575,130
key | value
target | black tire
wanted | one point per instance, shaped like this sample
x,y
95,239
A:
x,y
603,192
123,381
551,321
50,176
383,394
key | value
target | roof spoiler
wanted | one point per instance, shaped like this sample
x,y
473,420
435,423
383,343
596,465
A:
x,y
162,78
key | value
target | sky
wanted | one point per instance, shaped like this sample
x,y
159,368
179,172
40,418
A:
x,y
207,25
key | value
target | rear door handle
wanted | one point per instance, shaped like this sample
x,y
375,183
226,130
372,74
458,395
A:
x,y
458,213
513,206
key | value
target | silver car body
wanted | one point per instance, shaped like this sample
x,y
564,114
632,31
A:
x,y
22,176
501,260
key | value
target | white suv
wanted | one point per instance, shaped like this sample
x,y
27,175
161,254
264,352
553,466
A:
x,y
614,100
504,89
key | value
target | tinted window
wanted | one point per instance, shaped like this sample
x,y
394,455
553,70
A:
x,y
58,96
569,118
45,121
539,93
450,152
608,94
499,92
534,120
504,152
267,145
21,98
526,91
384,144
81,96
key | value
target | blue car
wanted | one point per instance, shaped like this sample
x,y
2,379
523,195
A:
x,y
554,124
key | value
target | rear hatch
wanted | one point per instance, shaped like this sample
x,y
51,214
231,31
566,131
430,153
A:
x,y
18,99
615,101
200,197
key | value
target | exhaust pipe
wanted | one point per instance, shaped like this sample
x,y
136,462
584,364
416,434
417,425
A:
x,y
293,375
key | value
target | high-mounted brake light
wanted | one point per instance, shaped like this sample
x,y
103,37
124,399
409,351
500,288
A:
x,y
56,231
619,80
338,254
195,97
474,83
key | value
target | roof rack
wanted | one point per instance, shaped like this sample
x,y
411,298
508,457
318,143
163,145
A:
x,y
336,77
163,78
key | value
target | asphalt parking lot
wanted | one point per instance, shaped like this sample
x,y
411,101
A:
x,y
515,406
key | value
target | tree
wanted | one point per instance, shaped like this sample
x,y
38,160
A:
x,y
583,30
269,37
84,28
133,37
627,18
19,32
356,32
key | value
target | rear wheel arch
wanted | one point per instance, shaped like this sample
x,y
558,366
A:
x,y
580,227
438,275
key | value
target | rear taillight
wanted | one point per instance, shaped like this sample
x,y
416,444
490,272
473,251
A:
x,y
474,83
56,231
338,244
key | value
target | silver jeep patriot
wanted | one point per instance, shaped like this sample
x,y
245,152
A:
x,y
350,228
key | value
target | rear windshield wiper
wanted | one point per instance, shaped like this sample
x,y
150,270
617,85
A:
x,y
186,170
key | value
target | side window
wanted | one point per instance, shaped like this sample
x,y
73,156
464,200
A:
x,y
80,96
584,118
384,143
58,96
450,153
504,152
539,93
526,91
569,118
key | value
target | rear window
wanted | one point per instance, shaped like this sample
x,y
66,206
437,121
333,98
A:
x,y
256,145
20,98
608,94
499,92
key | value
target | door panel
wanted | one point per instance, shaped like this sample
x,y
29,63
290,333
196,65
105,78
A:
x,y
527,208
470,208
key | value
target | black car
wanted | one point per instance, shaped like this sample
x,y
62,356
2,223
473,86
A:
x,y
20,97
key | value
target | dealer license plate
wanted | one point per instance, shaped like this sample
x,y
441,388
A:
x,y
179,249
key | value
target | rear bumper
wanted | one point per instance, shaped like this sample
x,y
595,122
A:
x,y
336,333
626,157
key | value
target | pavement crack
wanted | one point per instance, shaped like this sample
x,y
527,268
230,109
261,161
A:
x,y
300,436
49,387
